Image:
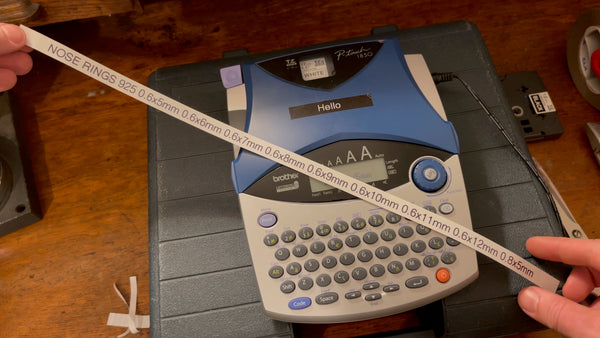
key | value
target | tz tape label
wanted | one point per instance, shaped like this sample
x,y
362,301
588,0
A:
x,y
324,107
290,159
542,103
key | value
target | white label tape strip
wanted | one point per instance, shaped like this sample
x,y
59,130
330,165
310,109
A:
x,y
130,320
294,161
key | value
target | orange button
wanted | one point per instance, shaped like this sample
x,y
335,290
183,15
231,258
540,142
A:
x,y
442,275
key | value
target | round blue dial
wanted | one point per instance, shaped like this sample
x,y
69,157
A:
x,y
429,175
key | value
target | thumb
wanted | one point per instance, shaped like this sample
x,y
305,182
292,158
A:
x,y
12,38
559,313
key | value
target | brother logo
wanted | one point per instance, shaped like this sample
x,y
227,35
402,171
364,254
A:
x,y
285,177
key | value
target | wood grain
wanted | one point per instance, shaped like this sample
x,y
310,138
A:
x,y
53,11
87,142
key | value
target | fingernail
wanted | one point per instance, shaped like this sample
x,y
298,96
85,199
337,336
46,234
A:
x,y
14,37
528,300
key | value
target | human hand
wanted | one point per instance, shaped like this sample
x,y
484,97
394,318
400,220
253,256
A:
x,y
14,59
565,314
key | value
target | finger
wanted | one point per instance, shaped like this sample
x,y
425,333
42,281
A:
x,y
559,313
583,252
12,38
8,79
19,62
579,284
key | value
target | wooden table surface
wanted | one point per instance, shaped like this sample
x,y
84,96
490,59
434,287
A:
x,y
87,142
52,11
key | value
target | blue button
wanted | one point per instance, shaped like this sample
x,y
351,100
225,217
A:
x,y
429,175
299,303
267,220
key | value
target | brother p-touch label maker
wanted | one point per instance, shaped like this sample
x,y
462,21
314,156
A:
x,y
321,255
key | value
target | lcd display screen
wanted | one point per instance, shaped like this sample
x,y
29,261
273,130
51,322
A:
x,y
367,171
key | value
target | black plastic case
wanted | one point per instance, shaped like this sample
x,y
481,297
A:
x,y
201,280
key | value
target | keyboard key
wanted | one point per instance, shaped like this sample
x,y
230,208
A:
x,y
271,239
373,296
323,280
287,287
430,208
352,295
305,233
323,229
400,249
416,282
391,288
436,243
358,223
412,264
448,257
392,218
423,230
267,220
442,275
326,298
430,261
299,303
282,254
335,244
388,235
329,262
300,250
305,283
446,208
317,247
376,220
377,270
352,241
288,236
418,246
365,255
405,231
347,258
359,273
276,271
452,241
382,252
340,226
370,286
311,265
341,277
294,268
370,237
394,267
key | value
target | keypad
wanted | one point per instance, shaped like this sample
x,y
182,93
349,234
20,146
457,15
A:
x,y
382,251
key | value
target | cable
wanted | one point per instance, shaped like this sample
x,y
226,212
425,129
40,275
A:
x,y
446,77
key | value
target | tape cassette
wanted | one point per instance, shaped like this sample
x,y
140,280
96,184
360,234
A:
x,y
532,106
19,205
